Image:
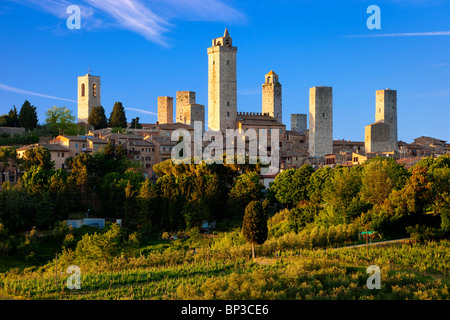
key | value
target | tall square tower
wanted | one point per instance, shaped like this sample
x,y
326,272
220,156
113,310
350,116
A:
x,y
165,110
88,96
184,98
320,121
271,97
386,112
222,84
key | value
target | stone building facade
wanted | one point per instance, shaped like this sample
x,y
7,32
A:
x,y
184,98
222,84
89,96
271,96
165,109
299,123
320,121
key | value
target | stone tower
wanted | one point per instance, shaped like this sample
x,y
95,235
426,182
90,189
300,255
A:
x,y
299,123
88,96
222,84
184,98
165,110
271,97
386,112
320,121
381,136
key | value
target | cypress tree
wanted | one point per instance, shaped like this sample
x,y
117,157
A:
x,y
28,116
118,118
254,226
97,118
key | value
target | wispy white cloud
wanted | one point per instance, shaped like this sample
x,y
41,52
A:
x,y
433,94
31,93
150,18
250,92
404,34
143,111
441,65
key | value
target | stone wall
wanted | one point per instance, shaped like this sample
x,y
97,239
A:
x,y
299,122
377,138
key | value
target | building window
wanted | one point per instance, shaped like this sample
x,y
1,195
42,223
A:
x,y
228,103
228,61
323,115
83,89
62,154
228,114
58,154
94,90
76,145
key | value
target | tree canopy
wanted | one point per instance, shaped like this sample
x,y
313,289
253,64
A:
x,y
60,120
28,116
97,118
117,118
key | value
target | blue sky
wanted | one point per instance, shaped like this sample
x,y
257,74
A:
x,y
143,49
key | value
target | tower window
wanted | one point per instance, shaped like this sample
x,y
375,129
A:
x,y
228,103
83,89
94,90
228,61
214,62
323,115
228,114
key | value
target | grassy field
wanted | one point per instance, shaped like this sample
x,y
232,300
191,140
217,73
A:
x,y
220,268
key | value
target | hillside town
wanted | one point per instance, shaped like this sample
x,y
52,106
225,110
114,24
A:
x,y
151,143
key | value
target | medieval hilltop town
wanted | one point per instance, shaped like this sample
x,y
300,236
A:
x,y
303,143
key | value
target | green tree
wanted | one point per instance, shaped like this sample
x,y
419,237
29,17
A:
x,y
38,156
135,123
97,118
7,154
291,186
376,183
317,183
254,225
145,218
302,214
117,117
28,116
247,188
35,180
11,119
60,120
